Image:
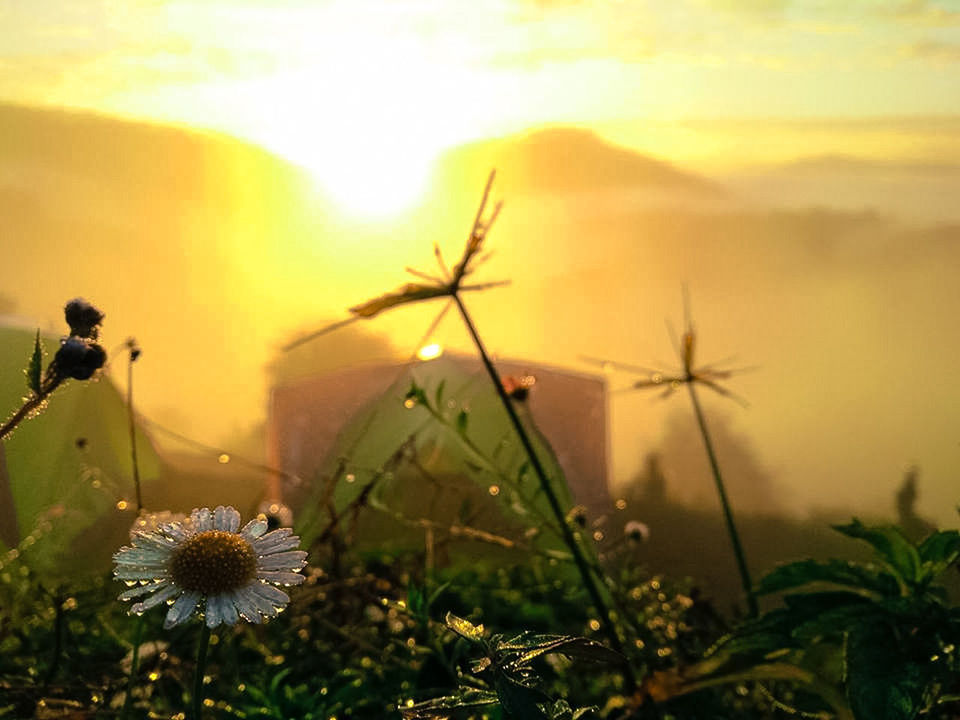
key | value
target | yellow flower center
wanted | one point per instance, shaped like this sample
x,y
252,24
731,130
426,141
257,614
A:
x,y
213,562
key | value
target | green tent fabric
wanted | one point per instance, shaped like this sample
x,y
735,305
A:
x,y
467,469
63,472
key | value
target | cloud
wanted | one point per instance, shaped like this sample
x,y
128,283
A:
x,y
927,12
932,51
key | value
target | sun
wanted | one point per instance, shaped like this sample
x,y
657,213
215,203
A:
x,y
370,177
370,132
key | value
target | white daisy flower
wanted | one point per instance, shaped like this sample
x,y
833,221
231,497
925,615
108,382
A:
x,y
206,563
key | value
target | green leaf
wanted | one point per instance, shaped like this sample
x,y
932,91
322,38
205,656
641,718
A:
x,y
417,394
938,552
408,293
464,704
415,601
462,419
465,628
525,648
881,683
897,552
35,366
519,701
836,572
832,622
438,395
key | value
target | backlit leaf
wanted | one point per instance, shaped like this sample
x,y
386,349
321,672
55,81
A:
x,y
409,293
465,628
35,366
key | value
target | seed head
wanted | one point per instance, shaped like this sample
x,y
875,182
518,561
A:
x,y
636,531
83,318
78,358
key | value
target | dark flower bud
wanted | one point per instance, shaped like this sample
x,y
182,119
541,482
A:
x,y
83,318
636,531
578,515
79,359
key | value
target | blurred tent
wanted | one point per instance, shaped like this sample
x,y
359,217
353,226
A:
x,y
66,488
426,447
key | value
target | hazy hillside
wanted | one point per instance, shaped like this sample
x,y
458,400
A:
x,y
565,159
919,192
157,225
212,252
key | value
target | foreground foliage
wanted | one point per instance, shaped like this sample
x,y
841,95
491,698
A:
x,y
870,640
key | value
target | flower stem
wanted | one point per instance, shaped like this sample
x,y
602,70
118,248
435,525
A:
x,y
582,565
727,510
133,435
134,667
202,646
57,639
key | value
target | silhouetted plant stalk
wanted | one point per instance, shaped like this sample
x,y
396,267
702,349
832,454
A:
x,y
133,354
725,504
709,376
450,284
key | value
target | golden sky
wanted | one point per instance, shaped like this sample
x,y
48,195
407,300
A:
x,y
847,315
366,92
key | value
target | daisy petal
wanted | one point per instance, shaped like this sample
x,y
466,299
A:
x,y
202,519
153,541
270,593
142,590
181,609
245,606
264,606
140,556
212,610
175,531
228,609
156,572
154,600
272,542
281,578
254,529
226,518
292,560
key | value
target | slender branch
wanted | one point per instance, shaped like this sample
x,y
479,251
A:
x,y
568,537
133,432
32,403
727,510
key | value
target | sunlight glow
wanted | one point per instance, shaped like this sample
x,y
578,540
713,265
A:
x,y
429,352
367,113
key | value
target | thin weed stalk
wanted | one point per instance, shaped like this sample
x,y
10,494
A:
x,y
132,357
451,284
134,353
725,504
583,566
709,376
